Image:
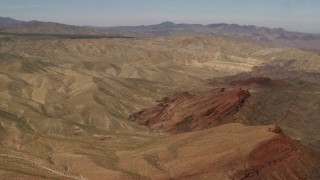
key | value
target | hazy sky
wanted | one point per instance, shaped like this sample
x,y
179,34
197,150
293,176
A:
x,y
297,15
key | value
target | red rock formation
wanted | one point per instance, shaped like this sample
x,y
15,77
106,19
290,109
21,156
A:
x,y
186,112
278,158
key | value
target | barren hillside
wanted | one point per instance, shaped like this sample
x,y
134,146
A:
x,y
65,106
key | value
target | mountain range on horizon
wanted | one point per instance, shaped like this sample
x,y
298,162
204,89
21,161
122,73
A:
x,y
278,37
8,21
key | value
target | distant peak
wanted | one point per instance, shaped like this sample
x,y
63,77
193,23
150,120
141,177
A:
x,y
166,23
8,21
6,18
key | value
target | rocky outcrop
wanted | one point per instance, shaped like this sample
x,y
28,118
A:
x,y
185,112
279,158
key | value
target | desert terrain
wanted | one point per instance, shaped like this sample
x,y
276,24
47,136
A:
x,y
166,107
